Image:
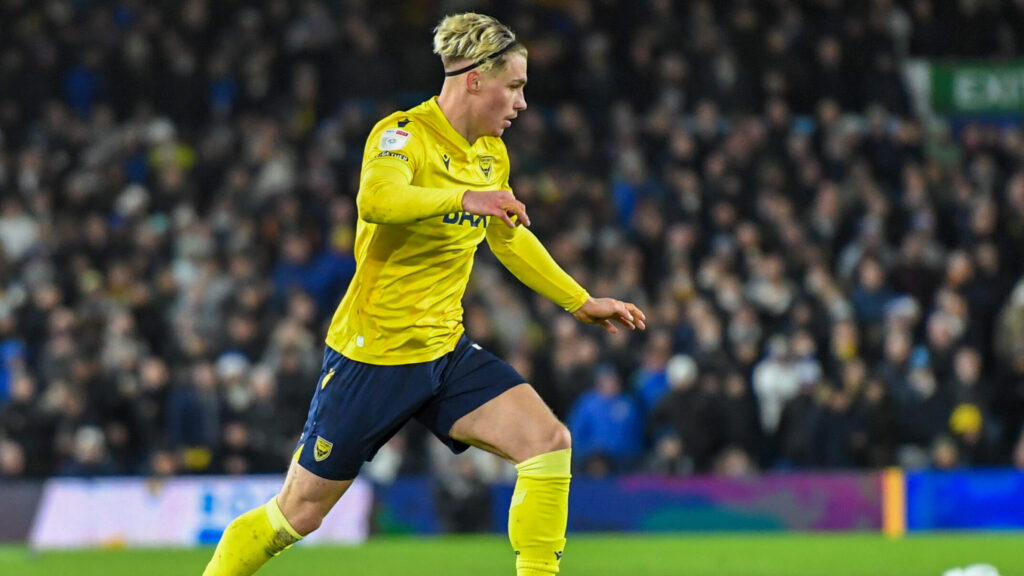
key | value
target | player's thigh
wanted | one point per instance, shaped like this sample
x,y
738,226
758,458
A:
x,y
356,408
482,401
516,425
306,498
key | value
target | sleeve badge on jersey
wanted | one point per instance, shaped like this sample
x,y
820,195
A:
x,y
393,155
394,139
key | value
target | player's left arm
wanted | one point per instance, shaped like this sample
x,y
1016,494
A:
x,y
522,253
525,257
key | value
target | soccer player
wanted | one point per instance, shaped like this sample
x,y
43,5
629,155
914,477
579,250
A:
x,y
434,184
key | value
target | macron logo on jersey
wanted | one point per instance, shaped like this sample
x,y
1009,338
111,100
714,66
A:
x,y
394,139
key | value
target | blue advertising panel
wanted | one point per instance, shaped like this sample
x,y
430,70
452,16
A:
x,y
992,499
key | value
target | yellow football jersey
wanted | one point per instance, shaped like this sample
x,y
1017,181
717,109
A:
x,y
414,245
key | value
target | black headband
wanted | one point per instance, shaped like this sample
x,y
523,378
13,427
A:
x,y
482,60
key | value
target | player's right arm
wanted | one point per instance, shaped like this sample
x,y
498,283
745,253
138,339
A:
x,y
386,194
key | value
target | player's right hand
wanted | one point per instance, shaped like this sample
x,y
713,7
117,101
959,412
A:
x,y
500,203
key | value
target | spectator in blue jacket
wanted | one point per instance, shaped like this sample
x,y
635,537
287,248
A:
x,y
606,425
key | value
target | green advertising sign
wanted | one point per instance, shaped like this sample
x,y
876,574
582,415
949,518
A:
x,y
978,88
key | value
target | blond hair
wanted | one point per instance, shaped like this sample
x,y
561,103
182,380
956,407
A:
x,y
475,37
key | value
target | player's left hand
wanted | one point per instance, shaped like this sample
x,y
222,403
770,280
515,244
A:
x,y
608,311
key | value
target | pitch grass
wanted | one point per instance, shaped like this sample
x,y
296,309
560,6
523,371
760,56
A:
x,y
604,555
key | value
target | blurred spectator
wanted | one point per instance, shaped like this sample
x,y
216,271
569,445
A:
x,y
12,460
606,423
870,295
973,435
29,429
1018,452
802,424
19,231
12,365
776,380
737,415
944,454
734,462
89,456
236,455
463,499
922,411
652,381
324,276
271,438
151,403
194,416
162,464
875,443
681,424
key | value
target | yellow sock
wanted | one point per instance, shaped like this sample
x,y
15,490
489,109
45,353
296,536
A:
x,y
250,540
539,512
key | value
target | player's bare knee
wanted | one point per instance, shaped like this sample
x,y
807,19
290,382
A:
x,y
306,520
303,514
562,439
557,438
545,439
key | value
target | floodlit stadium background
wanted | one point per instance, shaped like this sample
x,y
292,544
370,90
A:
x,y
819,204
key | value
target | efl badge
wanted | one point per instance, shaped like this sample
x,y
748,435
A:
x,y
394,139
322,449
486,162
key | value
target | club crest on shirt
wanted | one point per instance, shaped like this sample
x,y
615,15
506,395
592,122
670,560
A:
x,y
486,163
322,449
394,139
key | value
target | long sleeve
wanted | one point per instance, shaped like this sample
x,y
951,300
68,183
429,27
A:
x,y
523,254
387,197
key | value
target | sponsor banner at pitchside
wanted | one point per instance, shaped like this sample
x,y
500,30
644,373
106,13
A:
x,y
769,502
978,87
186,511
18,503
965,500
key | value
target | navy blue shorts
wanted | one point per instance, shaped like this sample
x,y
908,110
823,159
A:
x,y
358,407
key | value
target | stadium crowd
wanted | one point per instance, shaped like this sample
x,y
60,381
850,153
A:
x,y
832,280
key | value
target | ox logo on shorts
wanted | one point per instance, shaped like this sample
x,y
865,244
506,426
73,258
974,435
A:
x,y
322,449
